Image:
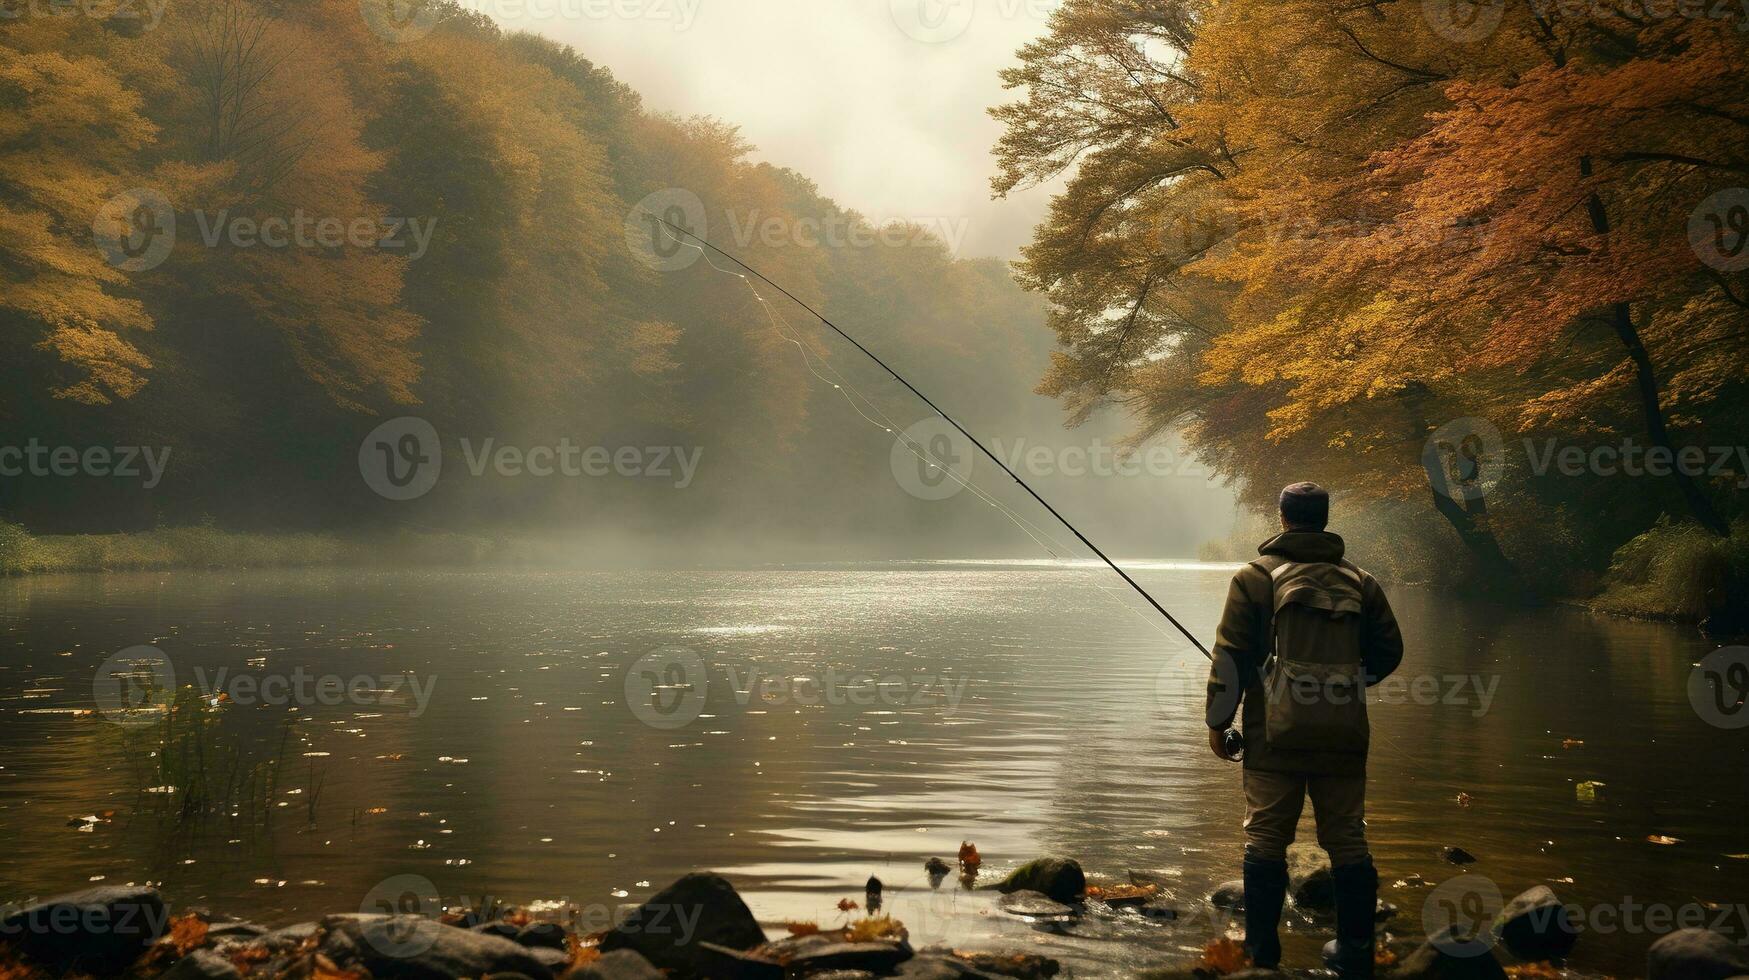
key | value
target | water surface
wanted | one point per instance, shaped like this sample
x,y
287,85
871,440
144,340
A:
x,y
850,721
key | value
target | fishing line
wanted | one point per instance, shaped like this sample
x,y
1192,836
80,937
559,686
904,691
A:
x,y
1038,535
702,245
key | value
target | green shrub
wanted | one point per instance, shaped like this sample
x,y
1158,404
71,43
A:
x,y
1679,571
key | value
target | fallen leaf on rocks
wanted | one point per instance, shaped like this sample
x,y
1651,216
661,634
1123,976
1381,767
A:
x,y
874,927
1383,956
1533,971
801,928
1224,956
970,859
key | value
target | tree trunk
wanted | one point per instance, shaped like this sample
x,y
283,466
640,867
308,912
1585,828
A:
x,y
1646,381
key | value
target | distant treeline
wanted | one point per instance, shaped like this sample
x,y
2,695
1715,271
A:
x,y
1481,268
252,232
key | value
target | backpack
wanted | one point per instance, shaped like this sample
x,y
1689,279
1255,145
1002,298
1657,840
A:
x,y
1313,680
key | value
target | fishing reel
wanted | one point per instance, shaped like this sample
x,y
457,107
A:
x,y
1234,743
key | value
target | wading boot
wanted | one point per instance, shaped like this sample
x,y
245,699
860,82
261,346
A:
x,y
1265,891
1350,954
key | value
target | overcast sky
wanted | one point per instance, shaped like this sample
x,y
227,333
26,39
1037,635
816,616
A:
x,y
880,102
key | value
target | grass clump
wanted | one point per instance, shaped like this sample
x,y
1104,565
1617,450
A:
x,y
1680,571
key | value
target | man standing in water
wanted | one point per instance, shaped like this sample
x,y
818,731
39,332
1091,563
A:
x,y
1303,634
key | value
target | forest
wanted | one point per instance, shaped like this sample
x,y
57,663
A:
x,y
1479,266
1485,278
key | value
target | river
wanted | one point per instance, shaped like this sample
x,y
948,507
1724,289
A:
x,y
534,736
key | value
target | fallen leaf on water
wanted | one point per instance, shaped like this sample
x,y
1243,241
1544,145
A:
x,y
1663,839
1383,956
1738,857
847,905
1224,956
970,859
1463,799
1571,743
1122,893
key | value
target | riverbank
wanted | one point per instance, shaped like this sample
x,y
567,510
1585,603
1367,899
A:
x,y
699,928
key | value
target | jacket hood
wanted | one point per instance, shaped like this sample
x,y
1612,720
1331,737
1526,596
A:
x,y
1304,546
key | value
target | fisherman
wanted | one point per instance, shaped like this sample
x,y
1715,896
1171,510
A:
x,y
1304,632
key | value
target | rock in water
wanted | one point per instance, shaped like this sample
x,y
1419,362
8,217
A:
x,y
203,964
1058,878
1536,926
1433,961
621,964
1034,905
1230,896
876,957
1696,954
1457,855
99,931
1316,892
668,928
413,947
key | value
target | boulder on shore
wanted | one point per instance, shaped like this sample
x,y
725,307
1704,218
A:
x,y
1229,895
621,964
1696,954
1438,959
668,929
1316,892
1060,879
413,947
99,931
1536,926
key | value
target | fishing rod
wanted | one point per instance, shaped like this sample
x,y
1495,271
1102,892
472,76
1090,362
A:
x,y
702,243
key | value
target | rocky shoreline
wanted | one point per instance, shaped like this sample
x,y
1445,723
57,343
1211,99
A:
x,y
699,928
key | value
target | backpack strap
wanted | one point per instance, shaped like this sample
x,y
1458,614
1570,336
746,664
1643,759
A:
x,y
1269,565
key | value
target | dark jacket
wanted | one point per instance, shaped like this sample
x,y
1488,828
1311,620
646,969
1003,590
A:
x,y
1241,649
